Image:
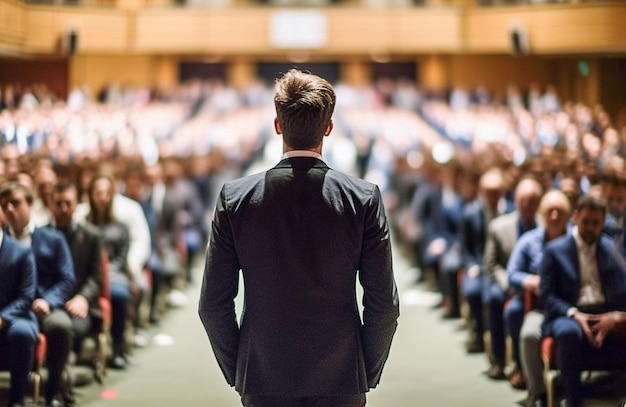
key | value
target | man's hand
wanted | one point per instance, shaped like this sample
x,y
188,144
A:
x,y
473,271
586,321
437,247
77,306
1,324
41,307
531,282
605,323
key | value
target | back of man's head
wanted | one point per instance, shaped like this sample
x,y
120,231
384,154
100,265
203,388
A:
x,y
304,107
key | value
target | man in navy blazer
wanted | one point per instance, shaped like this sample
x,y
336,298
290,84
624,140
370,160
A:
x,y
301,234
583,293
18,325
55,278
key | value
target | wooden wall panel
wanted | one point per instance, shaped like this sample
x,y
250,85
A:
x,y
97,31
103,31
358,31
97,71
420,31
232,32
584,28
489,30
581,29
165,31
41,31
352,30
11,22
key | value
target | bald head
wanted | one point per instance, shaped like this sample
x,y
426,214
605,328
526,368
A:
x,y
491,186
527,197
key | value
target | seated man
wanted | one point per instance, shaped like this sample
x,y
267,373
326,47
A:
x,y
489,204
18,325
522,271
583,293
55,279
502,233
85,248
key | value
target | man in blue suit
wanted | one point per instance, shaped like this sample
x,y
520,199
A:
x,y
301,234
55,279
583,293
18,325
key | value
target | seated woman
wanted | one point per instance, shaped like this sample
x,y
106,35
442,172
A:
x,y
115,241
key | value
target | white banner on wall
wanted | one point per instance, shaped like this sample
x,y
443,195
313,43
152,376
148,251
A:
x,y
298,29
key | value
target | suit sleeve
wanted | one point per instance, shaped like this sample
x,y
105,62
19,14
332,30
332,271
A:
x,y
518,265
140,243
62,291
549,286
28,284
468,241
495,271
91,288
380,297
220,285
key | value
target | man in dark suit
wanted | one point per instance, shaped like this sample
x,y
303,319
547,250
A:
x,y
476,215
502,233
583,293
301,234
85,248
55,279
18,325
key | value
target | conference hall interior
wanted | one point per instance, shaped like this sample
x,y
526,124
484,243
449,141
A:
x,y
445,105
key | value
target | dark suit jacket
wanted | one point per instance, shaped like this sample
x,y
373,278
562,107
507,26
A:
x,y
84,243
473,234
17,274
300,233
55,272
502,234
560,278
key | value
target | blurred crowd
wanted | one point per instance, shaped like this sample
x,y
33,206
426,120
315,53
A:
x,y
142,168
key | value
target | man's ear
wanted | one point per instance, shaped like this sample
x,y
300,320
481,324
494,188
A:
x,y
329,128
277,126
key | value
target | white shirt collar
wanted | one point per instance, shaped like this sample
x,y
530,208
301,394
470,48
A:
x,y
28,230
301,153
580,243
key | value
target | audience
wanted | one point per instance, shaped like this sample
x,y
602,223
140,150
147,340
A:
x,y
523,276
583,292
502,233
86,250
55,281
450,172
18,324
115,238
489,204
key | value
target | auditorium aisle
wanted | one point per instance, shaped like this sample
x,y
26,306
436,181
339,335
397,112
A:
x,y
427,366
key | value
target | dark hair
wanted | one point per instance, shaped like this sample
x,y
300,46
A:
x,y
591,202
12,186
108,215
63,186
304,106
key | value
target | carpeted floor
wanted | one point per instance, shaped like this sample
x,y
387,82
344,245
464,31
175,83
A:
x,y
427,366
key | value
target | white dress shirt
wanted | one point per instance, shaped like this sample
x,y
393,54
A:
x,y
301,153
590,285
27,234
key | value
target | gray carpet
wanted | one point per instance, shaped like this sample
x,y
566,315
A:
x,y
427,366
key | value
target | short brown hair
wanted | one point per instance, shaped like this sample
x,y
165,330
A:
x,y
304,106
9,187
591,202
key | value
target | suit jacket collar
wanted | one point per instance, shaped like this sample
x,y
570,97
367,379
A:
x,y
301,153
309,162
